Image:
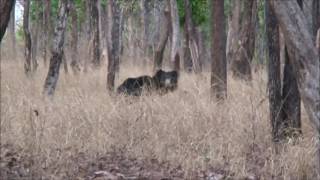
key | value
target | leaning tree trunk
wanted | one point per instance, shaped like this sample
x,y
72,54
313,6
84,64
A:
x,y
74,39
274,79
5,10
175,44
57,49
27,36
241,63
113,47
164,36
219,65
304,58
291,108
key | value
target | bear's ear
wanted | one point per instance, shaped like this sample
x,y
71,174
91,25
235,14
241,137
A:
x,y
158,73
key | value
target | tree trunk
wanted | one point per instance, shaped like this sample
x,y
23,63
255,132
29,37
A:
x,y
74,39
27,36
304,58
191,44
291,108
315,16
35,34
57,49
219,65
234,29
241,62
5,10
12,33
46,29
274,79
164,36
175,44
96,33
113,48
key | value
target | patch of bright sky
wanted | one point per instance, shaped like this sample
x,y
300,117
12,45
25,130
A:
x,y
18,14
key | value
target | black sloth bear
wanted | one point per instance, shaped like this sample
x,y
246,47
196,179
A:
x,y
162,82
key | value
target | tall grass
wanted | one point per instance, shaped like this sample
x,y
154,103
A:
x,y
183,128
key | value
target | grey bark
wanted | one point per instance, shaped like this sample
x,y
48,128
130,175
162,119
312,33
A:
x,y
164,36
304,58
27,35
95,32
74,39
291,108
57,49
191,42
46,29
12,33
5,10
113,48
274,79
219,65
241,61
175,43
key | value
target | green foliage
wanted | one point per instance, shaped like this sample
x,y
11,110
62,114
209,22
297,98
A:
x,y
199,8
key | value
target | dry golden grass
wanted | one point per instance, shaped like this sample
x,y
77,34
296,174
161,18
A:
x,y
184,128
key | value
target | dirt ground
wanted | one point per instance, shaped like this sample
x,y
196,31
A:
x,y
16,164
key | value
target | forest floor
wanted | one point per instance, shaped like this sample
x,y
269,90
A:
x,y
83,133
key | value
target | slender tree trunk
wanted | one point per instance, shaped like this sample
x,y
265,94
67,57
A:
x,y
164,36
96,33
46,29
74,39
175,43
234,29
12,33
315,16
35,34
291,108
27,48
274,79
304,58
113,48
57,49
65,62
5,8
191,43
241,64
219,65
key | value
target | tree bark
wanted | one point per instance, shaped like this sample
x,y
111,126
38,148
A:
x,y
234,29
27,36
5,11
74,39
175,43
315,16
95,33
274,79
241,62
304,58
46,29
113,48
57,49
164,36
219,65
12,34
191,44
291,108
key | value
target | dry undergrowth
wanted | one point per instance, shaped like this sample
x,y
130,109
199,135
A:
x,y
183,128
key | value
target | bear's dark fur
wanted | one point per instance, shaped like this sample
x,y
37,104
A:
x,y
162,82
